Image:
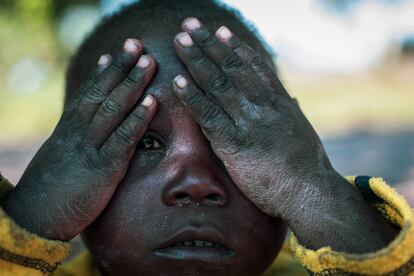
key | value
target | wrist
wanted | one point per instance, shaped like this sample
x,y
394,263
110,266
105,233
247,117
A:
x,y
33,216
314,193
338,216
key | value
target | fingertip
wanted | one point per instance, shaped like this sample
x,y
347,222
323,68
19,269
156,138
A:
x,y
148,101
103,63
147,66
104,60
191,24
180,82
184,39
144,61
132,45
224,34
151,105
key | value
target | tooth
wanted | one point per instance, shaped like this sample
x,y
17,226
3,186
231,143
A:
x,y
188,243
199,243
208,244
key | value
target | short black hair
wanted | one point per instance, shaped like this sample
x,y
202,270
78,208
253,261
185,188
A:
x,y
135,19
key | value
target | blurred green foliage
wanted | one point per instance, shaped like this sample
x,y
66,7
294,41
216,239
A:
x,y
27,29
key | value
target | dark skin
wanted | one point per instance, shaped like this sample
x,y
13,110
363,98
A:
x,y
235,154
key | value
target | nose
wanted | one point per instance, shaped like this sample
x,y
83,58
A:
x,y
195,183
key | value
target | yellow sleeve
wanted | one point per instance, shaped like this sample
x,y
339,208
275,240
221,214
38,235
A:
x,y
395,259
24,253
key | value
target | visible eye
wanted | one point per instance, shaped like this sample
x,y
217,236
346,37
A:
x,y
149,143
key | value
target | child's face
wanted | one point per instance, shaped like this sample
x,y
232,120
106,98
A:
x,y
175,194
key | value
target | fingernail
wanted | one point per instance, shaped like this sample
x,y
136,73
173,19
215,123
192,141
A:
x,y
143,61
185,40
148,101
180,81
192,24
104,60
131,45
224,33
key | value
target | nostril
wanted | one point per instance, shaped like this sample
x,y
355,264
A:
x,y
214,197
180,196
215,200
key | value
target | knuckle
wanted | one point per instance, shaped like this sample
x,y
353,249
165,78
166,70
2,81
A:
x,y
96,93
131,82
218,82
231,63
257,62
210,117
138,117
123,135
111,107
198,59
193,99
118,67
208,42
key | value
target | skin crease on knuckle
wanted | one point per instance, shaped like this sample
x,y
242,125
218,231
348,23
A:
x,y
231,63
208,42
111,107
174,192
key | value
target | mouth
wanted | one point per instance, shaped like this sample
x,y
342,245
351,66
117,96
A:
x,y
198,245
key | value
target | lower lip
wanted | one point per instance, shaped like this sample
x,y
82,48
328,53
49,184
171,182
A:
x,y
189,253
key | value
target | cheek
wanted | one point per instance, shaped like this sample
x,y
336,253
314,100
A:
x,y
253,229
121,237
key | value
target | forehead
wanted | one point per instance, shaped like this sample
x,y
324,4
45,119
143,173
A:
x,y
168,67
160,47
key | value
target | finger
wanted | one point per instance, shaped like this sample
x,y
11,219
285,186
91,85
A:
x,y
209,76
109,79
239,71
121,144
216,50
102,64
117,105
250,56
214,121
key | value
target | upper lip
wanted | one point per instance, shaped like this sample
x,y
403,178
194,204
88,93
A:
x,y
192,234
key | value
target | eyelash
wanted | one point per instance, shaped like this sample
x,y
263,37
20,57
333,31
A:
x,y
149,142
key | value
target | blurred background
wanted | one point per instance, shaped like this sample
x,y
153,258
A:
x,y
350,63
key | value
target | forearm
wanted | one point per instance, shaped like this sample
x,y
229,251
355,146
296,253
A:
x,y
338,217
